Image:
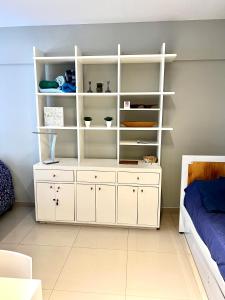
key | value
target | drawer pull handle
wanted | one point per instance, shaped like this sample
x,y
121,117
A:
x,y
54,199
133,190
96,176
138,178
54,175
57,202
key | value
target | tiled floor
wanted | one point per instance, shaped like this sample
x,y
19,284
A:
x,y
97,263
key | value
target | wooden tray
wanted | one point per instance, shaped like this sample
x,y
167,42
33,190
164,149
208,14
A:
x,y
128,162
138,124
142,105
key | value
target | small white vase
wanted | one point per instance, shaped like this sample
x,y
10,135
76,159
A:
x,y
87,123
108,123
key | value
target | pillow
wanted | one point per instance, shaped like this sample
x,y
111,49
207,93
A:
x,y
212,194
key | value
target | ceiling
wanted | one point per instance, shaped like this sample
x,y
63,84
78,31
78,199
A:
x,y
62,12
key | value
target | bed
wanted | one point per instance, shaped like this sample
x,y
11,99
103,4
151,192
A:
x,y
205,232
7,197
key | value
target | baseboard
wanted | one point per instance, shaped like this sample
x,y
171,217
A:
x,y
170,210
24,204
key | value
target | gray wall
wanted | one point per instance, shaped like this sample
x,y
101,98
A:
x,y
196,112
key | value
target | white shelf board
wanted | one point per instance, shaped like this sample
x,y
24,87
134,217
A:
x,y
146,58
54,59
145,93
90,163
170,57
58,127
97,94
145,128
113,163
98,128
57,94
103,59
139,109
135,143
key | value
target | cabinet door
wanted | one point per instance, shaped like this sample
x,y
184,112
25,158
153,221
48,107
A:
x,y
148,199
65,198
85,202
127,205
45,201
105,204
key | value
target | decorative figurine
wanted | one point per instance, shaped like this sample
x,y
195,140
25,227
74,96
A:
x,y
99,87
89,89
108,89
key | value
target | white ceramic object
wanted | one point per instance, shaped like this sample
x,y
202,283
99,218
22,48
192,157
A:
x,y
108,123
15,265
87,123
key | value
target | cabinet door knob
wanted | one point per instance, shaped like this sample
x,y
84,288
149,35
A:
x,y
133,190
142,191
54,175
57,202
58,187
91,188
50,186
96,176
99,189
53,199
138,178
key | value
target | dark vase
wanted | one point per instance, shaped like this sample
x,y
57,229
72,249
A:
x,y
99,87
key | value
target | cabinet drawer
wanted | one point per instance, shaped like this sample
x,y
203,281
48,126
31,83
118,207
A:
x,y
96,176
53,175
138,178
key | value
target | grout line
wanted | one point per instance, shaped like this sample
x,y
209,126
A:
x,y
20,242
49,295
71,248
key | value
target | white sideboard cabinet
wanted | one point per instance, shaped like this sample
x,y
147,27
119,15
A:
x,y
55,201
100,192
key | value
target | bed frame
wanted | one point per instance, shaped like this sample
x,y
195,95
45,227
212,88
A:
x,y
201,167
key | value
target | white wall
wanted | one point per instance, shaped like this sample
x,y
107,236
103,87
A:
x,y
196,112
18,147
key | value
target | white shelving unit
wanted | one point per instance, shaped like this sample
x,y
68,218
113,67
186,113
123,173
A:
x,y
98,141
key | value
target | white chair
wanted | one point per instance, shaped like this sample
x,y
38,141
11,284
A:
x,y
14,264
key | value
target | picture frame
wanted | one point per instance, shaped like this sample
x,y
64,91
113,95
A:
x,y
126,104
54,116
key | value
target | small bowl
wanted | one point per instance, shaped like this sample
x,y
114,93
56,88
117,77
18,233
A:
x,y
150,159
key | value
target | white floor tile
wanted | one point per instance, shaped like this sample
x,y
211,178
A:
x,y
160,275
62,295
46,294
150,298
52,235
9,247
87,266
20,231
164,240
94,271
47,262
102,238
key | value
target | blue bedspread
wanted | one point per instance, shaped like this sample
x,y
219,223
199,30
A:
x,y
210,227
7,197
